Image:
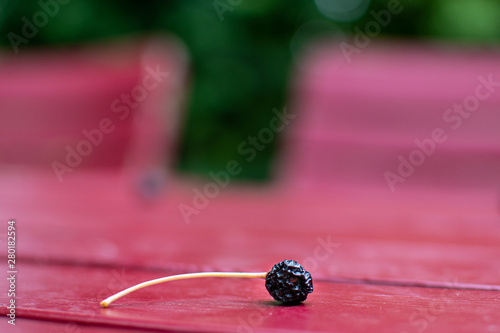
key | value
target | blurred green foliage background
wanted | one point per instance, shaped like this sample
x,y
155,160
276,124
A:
x,y
241,64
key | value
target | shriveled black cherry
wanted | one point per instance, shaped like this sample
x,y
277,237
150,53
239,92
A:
x,y
289,282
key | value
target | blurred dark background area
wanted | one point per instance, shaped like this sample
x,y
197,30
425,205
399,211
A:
x,y
242,54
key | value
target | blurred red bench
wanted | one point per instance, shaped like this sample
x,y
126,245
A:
x,y
395,115
113,104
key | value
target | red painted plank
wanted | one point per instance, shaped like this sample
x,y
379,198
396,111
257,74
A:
x,y
354,235
24,325
71,294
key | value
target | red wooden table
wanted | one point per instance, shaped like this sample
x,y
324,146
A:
x,y
419,262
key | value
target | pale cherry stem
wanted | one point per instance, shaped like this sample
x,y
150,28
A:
x,y
105,303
